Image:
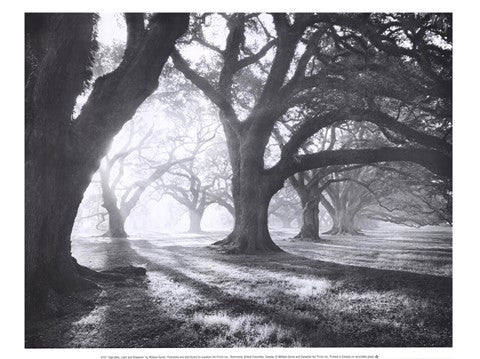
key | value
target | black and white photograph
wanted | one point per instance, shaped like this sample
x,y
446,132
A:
x,y
238,179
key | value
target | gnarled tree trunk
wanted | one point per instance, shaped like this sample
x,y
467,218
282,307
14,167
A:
x,y
310,221
57,47
309,194
252,193
116,219
51,206
61,154
343,223
116,224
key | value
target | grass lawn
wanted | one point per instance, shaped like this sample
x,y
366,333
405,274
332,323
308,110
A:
x,y
383,289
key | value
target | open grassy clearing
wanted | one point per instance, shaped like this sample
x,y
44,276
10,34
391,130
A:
x,y
381,289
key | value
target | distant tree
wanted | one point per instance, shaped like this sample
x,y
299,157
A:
x,y
193,196
309,185
62,151
190,183
90,213
221,174
310,188
407,194
119,208
350,194
286,207
402,194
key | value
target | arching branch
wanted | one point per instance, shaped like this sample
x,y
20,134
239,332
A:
x,y
435,161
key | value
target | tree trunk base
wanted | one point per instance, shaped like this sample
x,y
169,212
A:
x,y
53,293
307,238
342,231
57,295
116,234
235,244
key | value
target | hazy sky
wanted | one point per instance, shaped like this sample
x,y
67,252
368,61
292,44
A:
x,y
111,28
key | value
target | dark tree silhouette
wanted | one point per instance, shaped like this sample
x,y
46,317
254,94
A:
x,y
63,153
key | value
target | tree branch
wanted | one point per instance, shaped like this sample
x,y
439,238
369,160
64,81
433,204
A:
x,y
433,160
215,96
247,61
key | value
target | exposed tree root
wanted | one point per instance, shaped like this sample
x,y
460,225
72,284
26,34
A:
x,y
78,290
343,231
307,238
126,271
233,244
114,274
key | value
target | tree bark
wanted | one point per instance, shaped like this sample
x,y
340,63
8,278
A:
x,y
343,218
51,206
252,195
116,224
61,154
343,223
310,223
309,194
54,184
116,219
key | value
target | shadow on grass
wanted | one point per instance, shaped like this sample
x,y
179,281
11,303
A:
x,y
355,277
245,301
321,323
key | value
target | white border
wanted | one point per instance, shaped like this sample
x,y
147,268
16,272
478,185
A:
x,y
466,172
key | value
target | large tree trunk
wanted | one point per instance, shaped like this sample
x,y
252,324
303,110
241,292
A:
x,y
53,194
116,224
61,154
343,223
310,223
195,221
57,47
116,219
252,194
